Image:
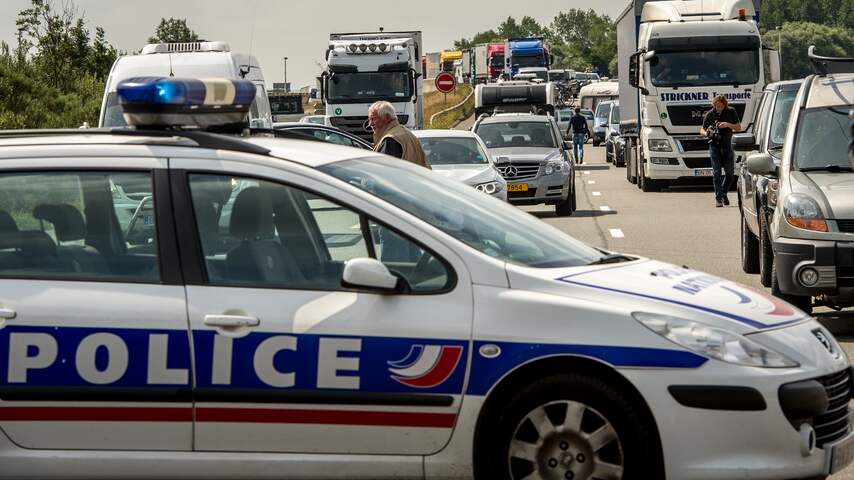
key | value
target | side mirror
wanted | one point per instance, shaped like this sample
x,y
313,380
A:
x,y
634,71
567,145
761,164
744,142
324,84
368,274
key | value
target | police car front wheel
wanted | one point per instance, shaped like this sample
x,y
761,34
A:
x,y
569,427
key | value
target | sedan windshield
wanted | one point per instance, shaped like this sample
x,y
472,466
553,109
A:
x,y
822,139
369,86
453,151
694,69
486,224
517,134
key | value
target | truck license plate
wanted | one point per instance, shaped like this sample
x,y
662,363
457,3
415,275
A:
x,y
702,172
841,454
517,187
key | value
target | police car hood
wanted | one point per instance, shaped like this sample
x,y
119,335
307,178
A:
x,y
470,174
651,286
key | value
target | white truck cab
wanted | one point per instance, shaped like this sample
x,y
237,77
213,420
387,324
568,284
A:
x,y
192,59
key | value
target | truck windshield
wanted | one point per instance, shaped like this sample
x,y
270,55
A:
x,y
517,134
448,66
557,76
369,87
487,225
694,69
822,139
532,61
496,61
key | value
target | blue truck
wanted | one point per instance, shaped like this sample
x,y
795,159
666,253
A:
x,y
525,52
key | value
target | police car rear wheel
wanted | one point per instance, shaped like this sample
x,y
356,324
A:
x,y
567,427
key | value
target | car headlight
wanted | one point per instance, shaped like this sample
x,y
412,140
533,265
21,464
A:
x,y
554,166
659,145
802,211
712,342
490,188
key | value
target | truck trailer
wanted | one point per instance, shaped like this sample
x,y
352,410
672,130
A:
x,y
677,56
363,68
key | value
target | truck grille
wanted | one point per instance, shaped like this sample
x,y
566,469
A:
x,y
356,126
688,115
695,162
519,171
833,424
846,226
844,277
694,144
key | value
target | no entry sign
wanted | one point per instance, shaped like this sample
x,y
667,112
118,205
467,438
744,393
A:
x,y
445,82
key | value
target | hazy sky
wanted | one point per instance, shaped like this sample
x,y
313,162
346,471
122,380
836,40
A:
x,y
299,29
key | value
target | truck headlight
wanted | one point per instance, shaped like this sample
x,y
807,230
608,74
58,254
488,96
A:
x,y
802,211
490,188
554,166
712,342
659,145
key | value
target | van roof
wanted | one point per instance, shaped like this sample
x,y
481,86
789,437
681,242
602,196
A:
x,y
184,64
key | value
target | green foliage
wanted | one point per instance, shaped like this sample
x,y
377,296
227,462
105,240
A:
x,y
54,78
174,30
796,37
835,13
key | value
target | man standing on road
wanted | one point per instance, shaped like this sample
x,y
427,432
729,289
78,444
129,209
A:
x,y
392,138
718,125
578,126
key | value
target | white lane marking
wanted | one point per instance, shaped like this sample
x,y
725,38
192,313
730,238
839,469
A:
x,y
591,182
597,194
616,233
587,172
605,208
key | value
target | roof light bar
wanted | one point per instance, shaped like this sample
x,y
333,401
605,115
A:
x,y
180,102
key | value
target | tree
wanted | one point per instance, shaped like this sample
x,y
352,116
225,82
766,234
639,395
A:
x,y
590,39
798,36
174,30
839,13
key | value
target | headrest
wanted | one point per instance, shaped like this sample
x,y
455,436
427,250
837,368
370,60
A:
x,y
67,221
34,243
252,215
7,223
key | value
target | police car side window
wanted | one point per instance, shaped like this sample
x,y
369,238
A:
x,y
78,226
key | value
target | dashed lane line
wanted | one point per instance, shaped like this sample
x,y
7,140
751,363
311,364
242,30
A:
x,y
605,208
616,233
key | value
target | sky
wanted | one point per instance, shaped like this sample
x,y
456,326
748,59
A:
x,y
299,30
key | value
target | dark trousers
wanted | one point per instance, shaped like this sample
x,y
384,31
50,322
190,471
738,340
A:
x,y
722,169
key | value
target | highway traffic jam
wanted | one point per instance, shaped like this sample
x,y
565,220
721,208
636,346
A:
x,y
205,286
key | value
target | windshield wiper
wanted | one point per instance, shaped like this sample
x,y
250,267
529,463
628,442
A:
x,y
828,168
611,258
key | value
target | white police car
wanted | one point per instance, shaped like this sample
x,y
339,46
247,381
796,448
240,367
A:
x,y
293,309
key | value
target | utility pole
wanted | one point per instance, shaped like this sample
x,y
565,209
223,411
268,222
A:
x,y
780,48
286,75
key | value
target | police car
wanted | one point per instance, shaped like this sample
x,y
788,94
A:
x,y
293,309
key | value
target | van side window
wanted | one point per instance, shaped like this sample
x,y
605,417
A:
x,y
78,226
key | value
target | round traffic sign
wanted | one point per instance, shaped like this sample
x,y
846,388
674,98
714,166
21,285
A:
x,y
445,82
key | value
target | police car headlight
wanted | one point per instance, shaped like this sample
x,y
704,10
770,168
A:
x,y
712,342
659,145
802,211
490,188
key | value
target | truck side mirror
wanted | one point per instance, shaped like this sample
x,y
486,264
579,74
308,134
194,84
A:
x,y
634,72
324,84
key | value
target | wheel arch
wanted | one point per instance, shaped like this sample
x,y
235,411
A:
x,y
542,367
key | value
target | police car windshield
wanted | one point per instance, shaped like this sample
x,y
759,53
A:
x,y
453,151
822,139
486,224
725,67
517,134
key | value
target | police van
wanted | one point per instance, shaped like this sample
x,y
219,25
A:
x,y
295,309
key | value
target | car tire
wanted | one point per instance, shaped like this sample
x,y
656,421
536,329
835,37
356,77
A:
x,y
766,252
523,433
802,302
749,249
595,143
564,207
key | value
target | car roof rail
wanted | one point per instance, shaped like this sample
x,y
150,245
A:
x,y
823,66
202,139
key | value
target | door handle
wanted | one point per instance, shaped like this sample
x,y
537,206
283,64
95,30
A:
x,y
7,313
231,321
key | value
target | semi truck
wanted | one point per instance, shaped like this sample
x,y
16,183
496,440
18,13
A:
x,y
679,55
448,58
363,68
525,52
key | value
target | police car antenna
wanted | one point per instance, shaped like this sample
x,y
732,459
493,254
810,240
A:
x,y
243,73
171,74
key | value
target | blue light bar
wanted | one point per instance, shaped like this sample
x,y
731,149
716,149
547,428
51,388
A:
x,y
179,102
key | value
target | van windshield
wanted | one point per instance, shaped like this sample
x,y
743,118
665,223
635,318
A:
x,y
112,114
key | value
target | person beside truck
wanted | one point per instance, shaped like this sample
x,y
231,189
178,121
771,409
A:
x,y
718,125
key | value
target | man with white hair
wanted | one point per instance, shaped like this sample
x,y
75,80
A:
x,y
392,138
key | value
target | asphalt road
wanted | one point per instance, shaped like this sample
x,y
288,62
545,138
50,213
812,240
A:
x,y
679,225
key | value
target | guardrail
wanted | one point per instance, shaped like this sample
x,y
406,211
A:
x,y
452,108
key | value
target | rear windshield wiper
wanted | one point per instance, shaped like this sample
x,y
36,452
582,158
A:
x,y
828,168
612,258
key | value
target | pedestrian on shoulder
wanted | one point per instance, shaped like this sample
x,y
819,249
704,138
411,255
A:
x,y
578,127
719,123
392,138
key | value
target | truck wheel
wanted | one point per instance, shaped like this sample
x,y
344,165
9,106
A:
x,y
802,302
749,249
647,184
766,253
567,426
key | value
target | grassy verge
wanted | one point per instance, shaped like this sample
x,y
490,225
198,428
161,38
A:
x,y
434,102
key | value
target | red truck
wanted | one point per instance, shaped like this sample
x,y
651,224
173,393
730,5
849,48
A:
x,y
495,56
